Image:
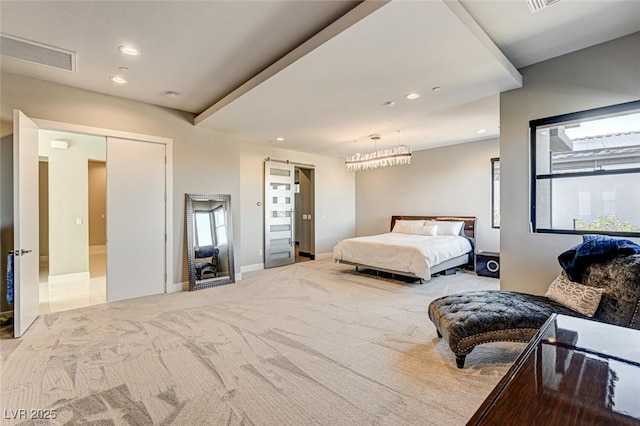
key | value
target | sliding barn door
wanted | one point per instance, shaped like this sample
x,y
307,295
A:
x,y
136,173
279,238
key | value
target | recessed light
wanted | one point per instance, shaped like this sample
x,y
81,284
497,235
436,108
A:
x,y
412,96
171,94
437,88
481,131
117,80
125,69
279,139
389,103
128,50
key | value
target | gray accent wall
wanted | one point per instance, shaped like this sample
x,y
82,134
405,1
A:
x,y
451,180
598,76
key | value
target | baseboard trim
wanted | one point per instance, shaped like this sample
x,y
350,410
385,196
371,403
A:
x,y
177,287
252,268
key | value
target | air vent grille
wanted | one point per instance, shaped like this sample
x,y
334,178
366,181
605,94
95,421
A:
x,y
37,53
536,5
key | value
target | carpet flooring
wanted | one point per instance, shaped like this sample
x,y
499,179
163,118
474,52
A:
x,y
313,343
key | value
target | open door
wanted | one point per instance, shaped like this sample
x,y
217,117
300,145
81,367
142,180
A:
x,y
25,211
279,215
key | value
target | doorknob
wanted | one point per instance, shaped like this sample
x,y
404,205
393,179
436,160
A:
x,y
23,251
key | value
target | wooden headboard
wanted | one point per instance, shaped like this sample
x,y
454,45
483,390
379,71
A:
x,y
469,222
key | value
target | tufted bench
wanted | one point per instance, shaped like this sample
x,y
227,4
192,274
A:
x,y
467,320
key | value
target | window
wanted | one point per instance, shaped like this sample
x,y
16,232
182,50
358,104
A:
x,y
219,221
586,172
495,193
208,221
203,235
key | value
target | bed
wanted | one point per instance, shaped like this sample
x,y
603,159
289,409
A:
x,y
416,247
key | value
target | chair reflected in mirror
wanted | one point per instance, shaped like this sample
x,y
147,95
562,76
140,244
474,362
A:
x,y
206,262
210,240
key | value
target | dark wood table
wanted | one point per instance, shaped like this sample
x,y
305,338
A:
x,y
573,372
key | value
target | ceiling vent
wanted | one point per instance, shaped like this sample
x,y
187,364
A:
x,y
536,5
37,53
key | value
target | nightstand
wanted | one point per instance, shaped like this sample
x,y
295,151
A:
x,y
488,264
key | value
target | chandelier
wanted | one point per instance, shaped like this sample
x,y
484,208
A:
x,y
395,156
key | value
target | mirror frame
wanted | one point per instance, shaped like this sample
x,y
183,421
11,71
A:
x,y
190,215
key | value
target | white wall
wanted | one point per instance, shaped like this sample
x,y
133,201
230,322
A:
x,y
598,76
452,180
204,161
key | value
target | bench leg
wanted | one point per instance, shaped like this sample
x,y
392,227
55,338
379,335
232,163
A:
x,y
460,360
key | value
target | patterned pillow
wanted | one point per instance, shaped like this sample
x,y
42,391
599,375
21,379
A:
x,y
578,297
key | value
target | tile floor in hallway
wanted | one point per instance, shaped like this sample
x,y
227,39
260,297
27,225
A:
x,y
72,294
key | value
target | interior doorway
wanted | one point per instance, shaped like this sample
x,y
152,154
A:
x,y
305,214
72,220
137,202
289,212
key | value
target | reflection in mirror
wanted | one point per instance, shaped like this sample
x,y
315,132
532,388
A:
x,y
209,240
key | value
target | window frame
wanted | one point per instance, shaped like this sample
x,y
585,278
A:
x,y
220,230
494,225
594,113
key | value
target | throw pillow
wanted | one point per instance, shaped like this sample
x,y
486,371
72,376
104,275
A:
x,y
429,230
578,297
404,226
446,227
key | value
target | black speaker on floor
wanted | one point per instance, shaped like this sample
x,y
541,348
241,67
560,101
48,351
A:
x,y
488,264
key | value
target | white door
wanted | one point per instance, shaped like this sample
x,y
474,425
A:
x,y
26,302
279,201
136,184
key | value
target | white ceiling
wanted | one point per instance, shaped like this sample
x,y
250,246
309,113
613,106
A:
x,y
316,72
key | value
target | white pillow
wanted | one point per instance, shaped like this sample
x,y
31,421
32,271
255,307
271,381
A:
x,y
429,230
578,297
402,226
446,227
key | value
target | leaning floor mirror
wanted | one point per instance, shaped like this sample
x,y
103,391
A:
x,y
209,240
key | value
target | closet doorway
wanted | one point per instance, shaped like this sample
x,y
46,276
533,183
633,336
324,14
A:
x,y
72,219
137,207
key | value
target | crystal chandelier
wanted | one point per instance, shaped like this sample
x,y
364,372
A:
x,y
398,155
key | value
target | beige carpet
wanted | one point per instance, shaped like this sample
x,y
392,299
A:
x,y
309,344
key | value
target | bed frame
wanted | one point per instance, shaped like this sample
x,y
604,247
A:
x,y
466,261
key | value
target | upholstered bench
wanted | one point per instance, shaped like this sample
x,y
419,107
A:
x,y
469,319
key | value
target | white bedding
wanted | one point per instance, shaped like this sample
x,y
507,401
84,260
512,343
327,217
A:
x,y
402,252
